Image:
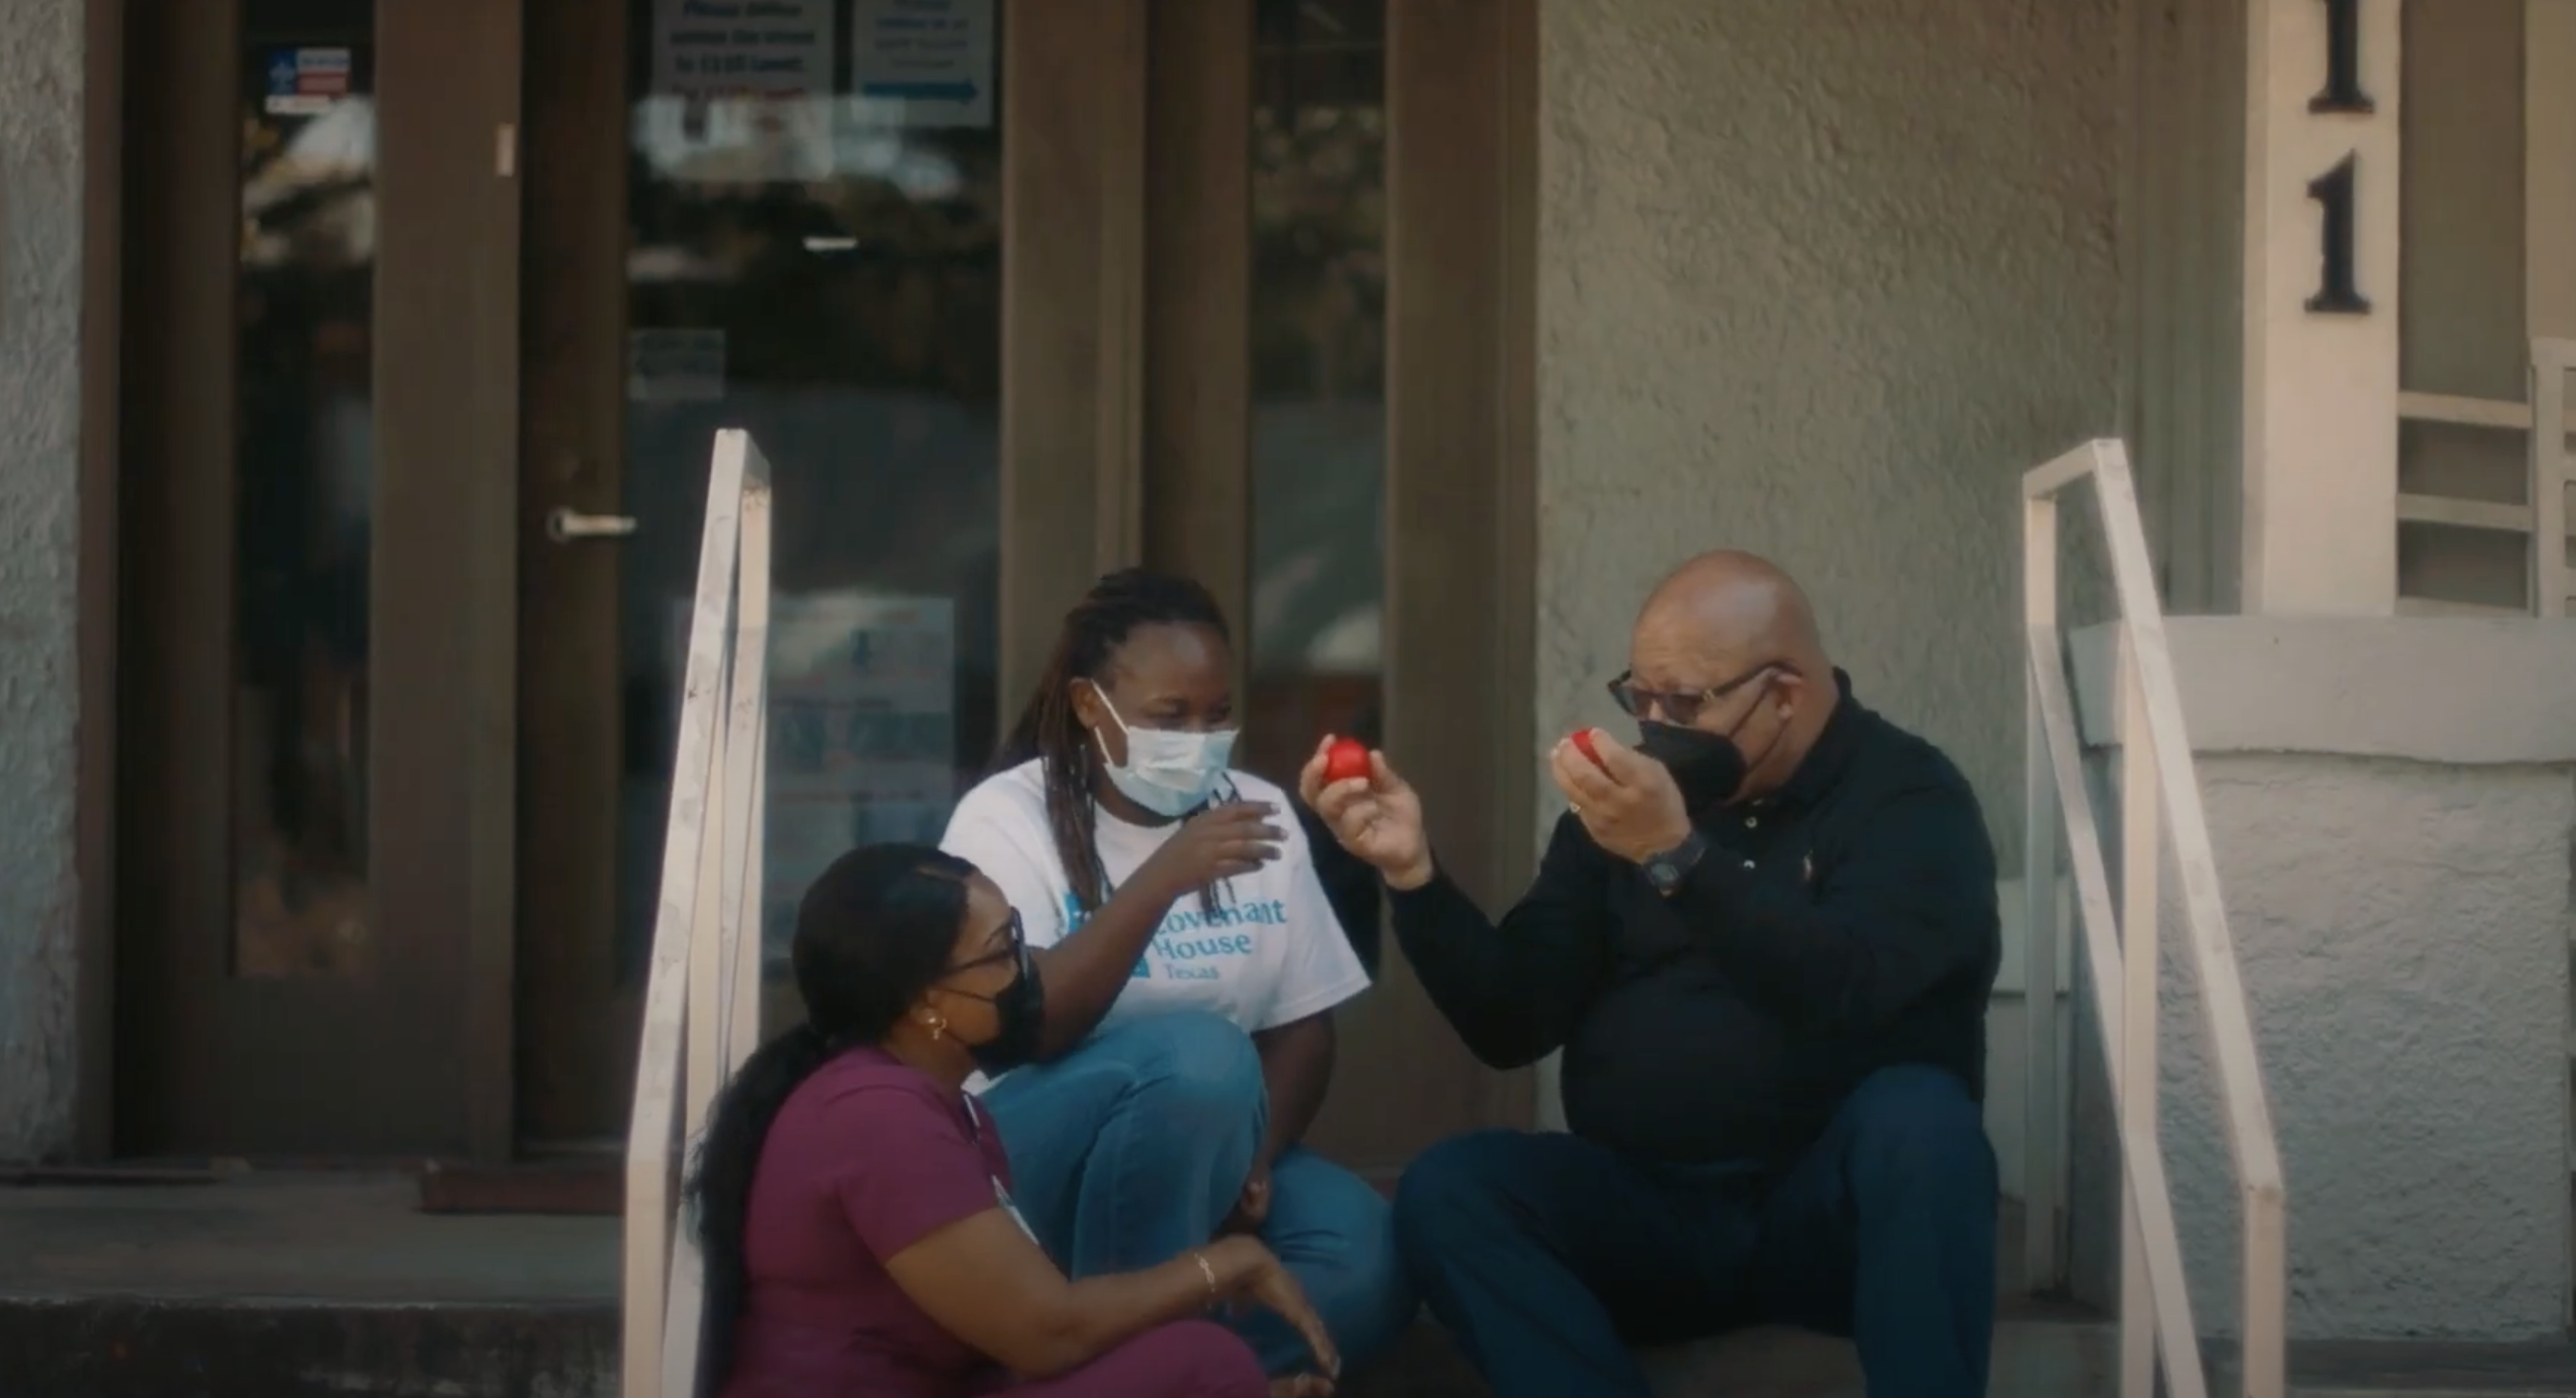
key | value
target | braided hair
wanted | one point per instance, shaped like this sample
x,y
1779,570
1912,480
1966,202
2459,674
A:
x,y
1052,733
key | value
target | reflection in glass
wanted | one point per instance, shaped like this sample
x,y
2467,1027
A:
x,y
305,476
1318,377
814,269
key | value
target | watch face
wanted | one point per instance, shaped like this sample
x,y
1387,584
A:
x,y
1665,871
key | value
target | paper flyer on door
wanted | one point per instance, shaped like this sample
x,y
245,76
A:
x,y
862,734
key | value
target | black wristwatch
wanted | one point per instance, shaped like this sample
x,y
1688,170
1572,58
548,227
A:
x,y
1667,870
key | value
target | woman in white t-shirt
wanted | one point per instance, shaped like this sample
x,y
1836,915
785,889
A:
x,y
1190,966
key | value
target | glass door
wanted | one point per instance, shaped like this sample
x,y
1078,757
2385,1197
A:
x,y
783,230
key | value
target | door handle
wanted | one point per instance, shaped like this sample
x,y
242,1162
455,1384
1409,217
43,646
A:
x,y
565,526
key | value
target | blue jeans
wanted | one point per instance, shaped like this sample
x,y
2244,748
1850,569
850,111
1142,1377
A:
x,y
1548,1255
1132,1149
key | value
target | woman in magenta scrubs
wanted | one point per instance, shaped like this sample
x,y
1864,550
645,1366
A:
x,y
855,1207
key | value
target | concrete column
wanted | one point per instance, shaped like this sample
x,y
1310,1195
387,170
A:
x,y
41,249
2320,393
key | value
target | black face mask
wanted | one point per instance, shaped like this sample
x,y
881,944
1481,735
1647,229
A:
x,y
1708,767
1020,1010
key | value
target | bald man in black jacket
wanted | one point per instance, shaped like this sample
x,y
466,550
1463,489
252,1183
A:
x,y
1764,938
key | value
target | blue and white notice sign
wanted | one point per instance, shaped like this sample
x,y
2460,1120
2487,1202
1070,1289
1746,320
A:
x,y
933,57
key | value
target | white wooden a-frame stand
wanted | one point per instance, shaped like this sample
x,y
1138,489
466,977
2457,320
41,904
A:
x,y
702,1002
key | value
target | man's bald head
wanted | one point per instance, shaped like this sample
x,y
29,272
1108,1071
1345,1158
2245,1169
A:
x,y
1737,609
1728,644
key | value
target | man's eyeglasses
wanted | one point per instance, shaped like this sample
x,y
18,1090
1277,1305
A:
x,y
1684,708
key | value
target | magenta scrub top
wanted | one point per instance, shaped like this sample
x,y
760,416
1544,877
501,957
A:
x,y
868,1157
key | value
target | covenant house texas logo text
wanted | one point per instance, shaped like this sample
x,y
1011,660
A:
x,y
1191,935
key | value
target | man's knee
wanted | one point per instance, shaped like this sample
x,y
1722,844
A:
x,y
1188,1066
1915,1127
1454,1191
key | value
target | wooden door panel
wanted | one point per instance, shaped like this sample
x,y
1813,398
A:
x,y
320,322
578,1018
1461,506
1336,367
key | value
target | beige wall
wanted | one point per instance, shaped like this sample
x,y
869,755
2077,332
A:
x,y
2320,386
1820,278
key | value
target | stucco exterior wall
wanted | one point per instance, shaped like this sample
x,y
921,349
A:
x,y
2403,932
2401,908
40,288
1819,279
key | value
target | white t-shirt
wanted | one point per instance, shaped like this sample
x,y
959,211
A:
x,y
1272,954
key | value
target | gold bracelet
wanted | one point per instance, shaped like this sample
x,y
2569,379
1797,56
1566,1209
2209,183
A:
x,y
1207,1269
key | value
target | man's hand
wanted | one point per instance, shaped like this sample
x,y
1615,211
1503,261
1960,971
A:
x,y
1627,801
1378,819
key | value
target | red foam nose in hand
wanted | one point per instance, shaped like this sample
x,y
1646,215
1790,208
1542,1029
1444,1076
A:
x,y
1346,760
1582,740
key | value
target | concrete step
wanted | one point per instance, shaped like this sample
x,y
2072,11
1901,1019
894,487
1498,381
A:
x,y
163,1347
333,1286
166,1347
2040,1352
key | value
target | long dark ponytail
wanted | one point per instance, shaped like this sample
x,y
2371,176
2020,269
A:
x,y
875,931
1050,731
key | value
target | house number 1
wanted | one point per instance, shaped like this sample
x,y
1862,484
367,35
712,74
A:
x,y
2337,291
2337,294
2343,62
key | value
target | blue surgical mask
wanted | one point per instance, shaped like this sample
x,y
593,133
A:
x,y
1168,771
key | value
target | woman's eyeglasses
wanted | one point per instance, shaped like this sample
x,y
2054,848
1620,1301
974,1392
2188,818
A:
x,y
1015,947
